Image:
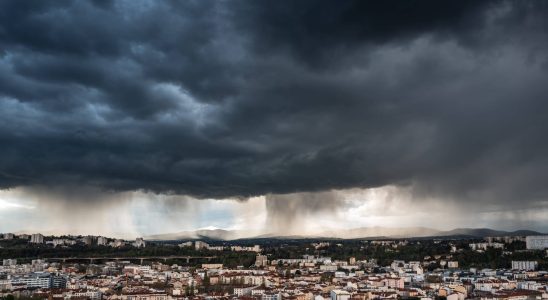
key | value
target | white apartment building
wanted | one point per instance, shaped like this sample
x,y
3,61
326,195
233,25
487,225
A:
x,y
524,265
255,248
34,280
536,242
199,245
185,244
37,238
9,262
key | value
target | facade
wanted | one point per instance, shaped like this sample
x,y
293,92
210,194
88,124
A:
x,y
212,266
58,242
243,291
37,238
340,295
216,248
329,268
537,242
255,248
271,296
199,245
87,240
34,280
93,295
396,282
9,262
185,244
102,241
23,236
141,296
117,243
58,282
524,265
484,246
261,261
62,242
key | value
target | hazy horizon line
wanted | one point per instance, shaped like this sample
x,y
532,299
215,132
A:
x,y
254,234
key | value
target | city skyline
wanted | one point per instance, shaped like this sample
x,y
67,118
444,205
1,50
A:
x,y
136,118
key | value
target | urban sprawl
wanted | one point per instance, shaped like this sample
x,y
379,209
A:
x,y
90,267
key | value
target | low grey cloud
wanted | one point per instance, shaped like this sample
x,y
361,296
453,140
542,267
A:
x,y
288,213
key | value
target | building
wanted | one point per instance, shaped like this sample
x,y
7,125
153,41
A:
x,y
394,282
185,244
9,262
34,280
88,294
212,266
524,265
61,242
87,240
271,296
453,264
261,261
8,236
216,248
199,245
243,290
37,265
484,246
37,238
58,242
144,295
58,282
340,295
329,268
255,248
139,243
23,236
117,243
536,242
102,241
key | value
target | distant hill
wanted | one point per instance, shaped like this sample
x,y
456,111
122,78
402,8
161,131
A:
x,y
201,234
354,233
377,231
484,232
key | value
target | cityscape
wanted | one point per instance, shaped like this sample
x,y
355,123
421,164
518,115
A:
x,y
98,267
273,149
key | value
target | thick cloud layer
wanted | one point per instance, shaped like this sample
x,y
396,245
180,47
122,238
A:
x,y
233,99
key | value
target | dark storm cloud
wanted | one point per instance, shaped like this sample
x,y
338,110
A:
x,y
232,99
316,31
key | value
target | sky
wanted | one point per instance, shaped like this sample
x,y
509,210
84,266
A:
x,y
131,118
